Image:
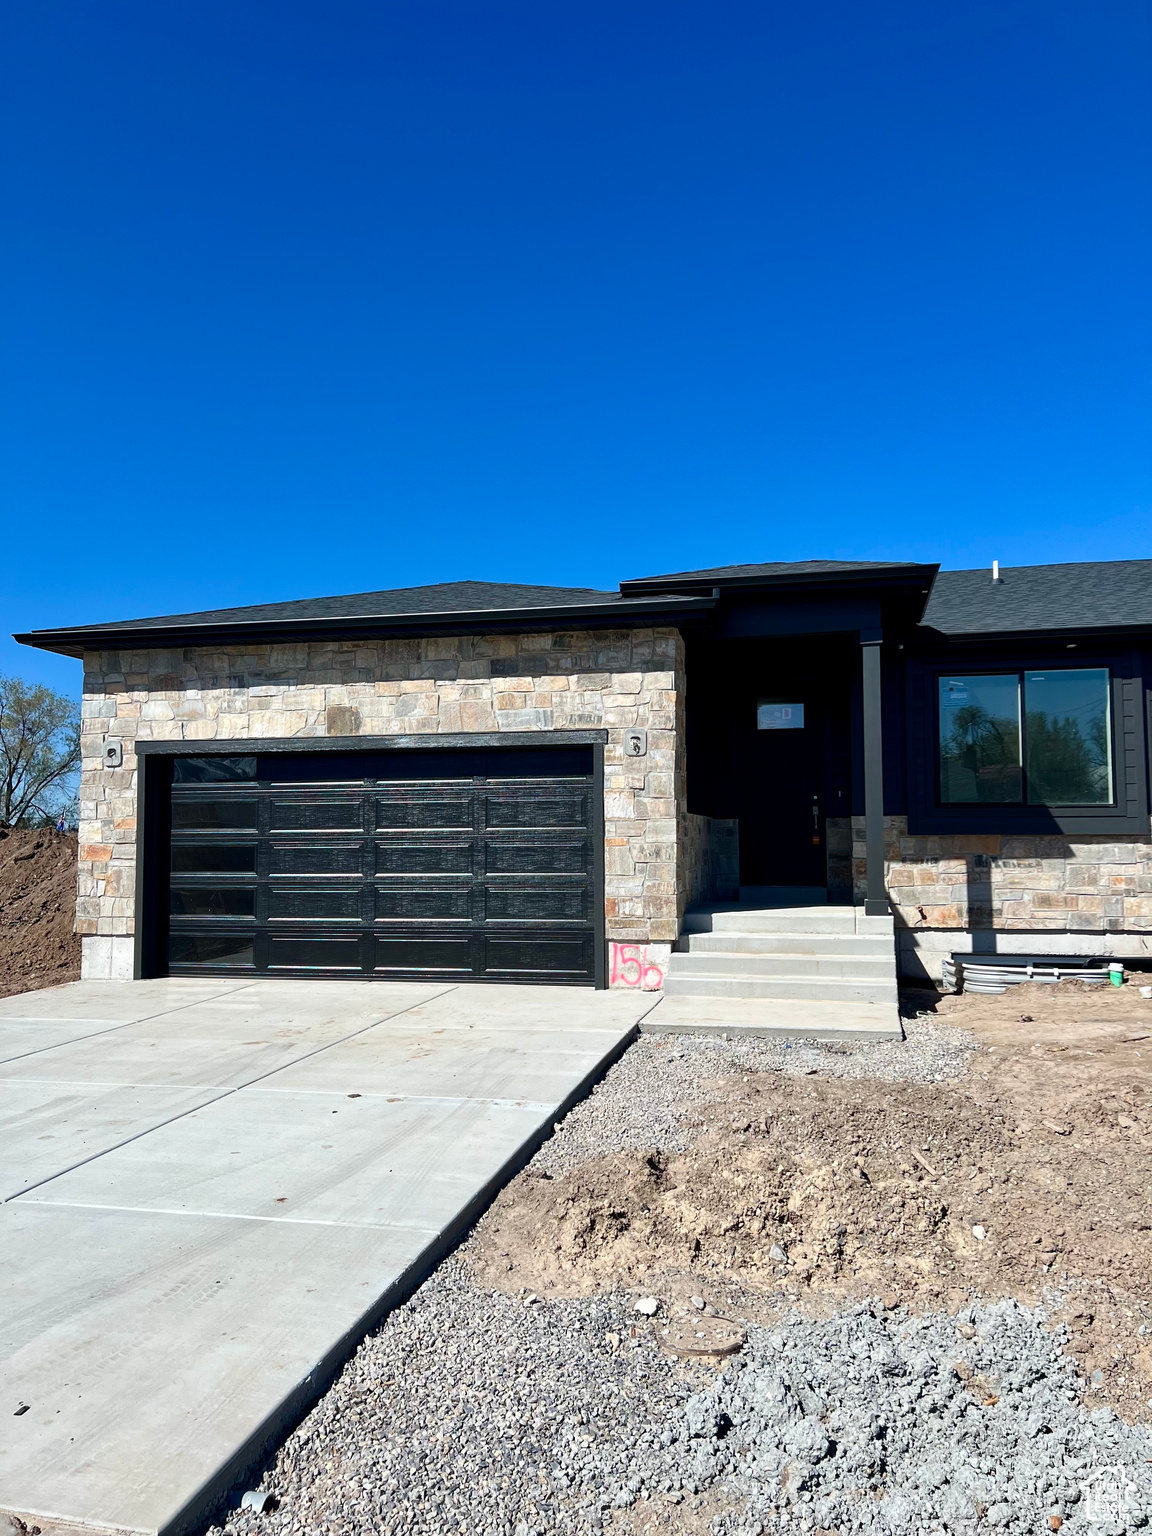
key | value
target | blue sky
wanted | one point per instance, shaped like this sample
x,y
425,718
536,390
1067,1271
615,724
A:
x,y
310,298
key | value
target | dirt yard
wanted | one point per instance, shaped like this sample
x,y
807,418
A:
x,y
1029,1176
37,910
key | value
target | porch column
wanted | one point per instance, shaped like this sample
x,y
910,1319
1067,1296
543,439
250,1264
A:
x,y
876,898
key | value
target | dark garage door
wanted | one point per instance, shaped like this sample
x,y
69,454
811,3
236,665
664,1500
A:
x,y
473,865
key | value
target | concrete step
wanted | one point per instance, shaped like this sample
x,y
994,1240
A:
x,y
773,1019
828,989
729,963
735,917
866,924
845,944
785,920
798,953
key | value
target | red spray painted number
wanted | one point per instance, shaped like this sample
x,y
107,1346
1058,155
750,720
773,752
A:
x,y
633,967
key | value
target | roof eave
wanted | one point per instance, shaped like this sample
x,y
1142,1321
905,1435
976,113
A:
x,y
886,575
619,614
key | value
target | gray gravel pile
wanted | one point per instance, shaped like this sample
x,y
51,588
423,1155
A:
x,y
880,1422
474,1412
643,1099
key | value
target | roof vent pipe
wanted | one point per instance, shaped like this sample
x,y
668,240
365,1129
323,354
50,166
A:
x,y
995,570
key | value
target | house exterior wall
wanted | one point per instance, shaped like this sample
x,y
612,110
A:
x,y
709,859
430,686
1052,894
950,891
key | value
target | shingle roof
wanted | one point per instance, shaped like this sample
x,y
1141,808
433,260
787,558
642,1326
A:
x,y
1103,594
1112,594
443,608
444,597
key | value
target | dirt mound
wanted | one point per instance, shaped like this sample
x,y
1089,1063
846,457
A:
x,y
37,910
1031,1173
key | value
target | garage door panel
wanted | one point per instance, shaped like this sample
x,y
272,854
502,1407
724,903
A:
x,y
215,815
315,953
536,858
213,770
562,810
213,901
454,876
424,901
411,953
537,957
314,815
423,858
408,808
331,903
315,859
537,903
211,950
213,859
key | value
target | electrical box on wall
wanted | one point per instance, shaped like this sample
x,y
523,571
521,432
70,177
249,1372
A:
x,y
113,754
635,743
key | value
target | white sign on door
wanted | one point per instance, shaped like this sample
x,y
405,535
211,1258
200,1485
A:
x,y
779,717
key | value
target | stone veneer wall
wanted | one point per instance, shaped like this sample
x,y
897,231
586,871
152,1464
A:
x,y
1048,895
709,859
484,683
838,839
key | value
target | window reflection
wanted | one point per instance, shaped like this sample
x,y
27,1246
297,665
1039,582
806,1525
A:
x,y
213,859
212,770
194,950
212,901
1059,753
1068,750
980,739
192,815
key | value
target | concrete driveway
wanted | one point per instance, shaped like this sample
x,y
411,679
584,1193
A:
x,y
212,1189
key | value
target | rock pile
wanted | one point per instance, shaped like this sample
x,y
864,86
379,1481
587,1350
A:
x,y
877,1421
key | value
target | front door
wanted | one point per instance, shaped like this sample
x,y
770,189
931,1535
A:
x,y
781,814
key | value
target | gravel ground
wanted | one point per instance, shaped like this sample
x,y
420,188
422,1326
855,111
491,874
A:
x,y
479,1413
476,1412
643,1099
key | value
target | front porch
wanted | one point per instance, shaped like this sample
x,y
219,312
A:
x,y
784,746
785,709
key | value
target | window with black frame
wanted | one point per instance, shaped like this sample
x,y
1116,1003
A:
x,y
1040,737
